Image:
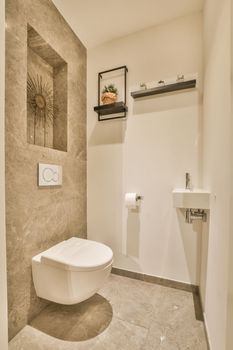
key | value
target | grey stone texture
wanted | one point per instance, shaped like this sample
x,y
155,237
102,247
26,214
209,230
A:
x,y
39,218
145,316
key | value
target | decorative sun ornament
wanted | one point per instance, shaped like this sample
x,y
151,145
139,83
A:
x,y
40,107
40,99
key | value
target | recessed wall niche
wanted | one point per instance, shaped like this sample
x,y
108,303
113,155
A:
x,y
46,94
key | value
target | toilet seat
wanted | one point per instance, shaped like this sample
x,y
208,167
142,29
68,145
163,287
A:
x,y
71,271
77,254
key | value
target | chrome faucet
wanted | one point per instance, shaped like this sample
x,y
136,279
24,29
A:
x,y
188,185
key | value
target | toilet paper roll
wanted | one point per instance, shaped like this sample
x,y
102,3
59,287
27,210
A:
x,y
131,200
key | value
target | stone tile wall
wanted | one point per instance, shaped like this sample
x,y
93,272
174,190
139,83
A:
x,y
39,218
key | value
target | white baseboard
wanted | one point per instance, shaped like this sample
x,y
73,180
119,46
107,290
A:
x,y
207,331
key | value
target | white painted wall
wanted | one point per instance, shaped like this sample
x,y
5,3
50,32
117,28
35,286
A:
x,y
149,153
146,13
3,298
217,164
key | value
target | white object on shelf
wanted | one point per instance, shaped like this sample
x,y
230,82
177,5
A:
x,y
49,175
194,199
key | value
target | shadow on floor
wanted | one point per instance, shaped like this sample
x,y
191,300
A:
x,y
77,322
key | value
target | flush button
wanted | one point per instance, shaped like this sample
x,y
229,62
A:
x,y
49,175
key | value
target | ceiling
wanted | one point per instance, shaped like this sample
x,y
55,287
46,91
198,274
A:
x,y
99,21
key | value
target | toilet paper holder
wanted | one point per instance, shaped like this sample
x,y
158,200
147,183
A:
x,y
132,200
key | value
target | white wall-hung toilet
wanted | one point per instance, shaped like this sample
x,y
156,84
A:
x,y
71,271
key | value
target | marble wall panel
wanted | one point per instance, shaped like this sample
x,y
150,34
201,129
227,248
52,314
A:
x,y
39,218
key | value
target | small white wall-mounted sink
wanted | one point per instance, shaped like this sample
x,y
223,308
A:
x,y
193,199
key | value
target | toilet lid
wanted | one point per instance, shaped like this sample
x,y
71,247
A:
x,y
78,254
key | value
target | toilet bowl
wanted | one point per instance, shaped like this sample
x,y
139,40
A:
x,y
71,271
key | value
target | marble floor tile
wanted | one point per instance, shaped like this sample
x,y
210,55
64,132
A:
x,y
163,336
122,335
75,322
119,287
126,314
32,339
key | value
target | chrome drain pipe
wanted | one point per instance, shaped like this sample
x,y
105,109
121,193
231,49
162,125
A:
x,y
195,214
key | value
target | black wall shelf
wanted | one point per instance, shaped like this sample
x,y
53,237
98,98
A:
x,y
112,108
117,107
189,84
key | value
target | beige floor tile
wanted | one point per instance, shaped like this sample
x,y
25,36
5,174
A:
x,y
165,337
126,314
135,312
75,322
124,287
122,335
32,339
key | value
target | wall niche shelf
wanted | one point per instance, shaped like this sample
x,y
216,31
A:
x,y
183,85
118,109
46,94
